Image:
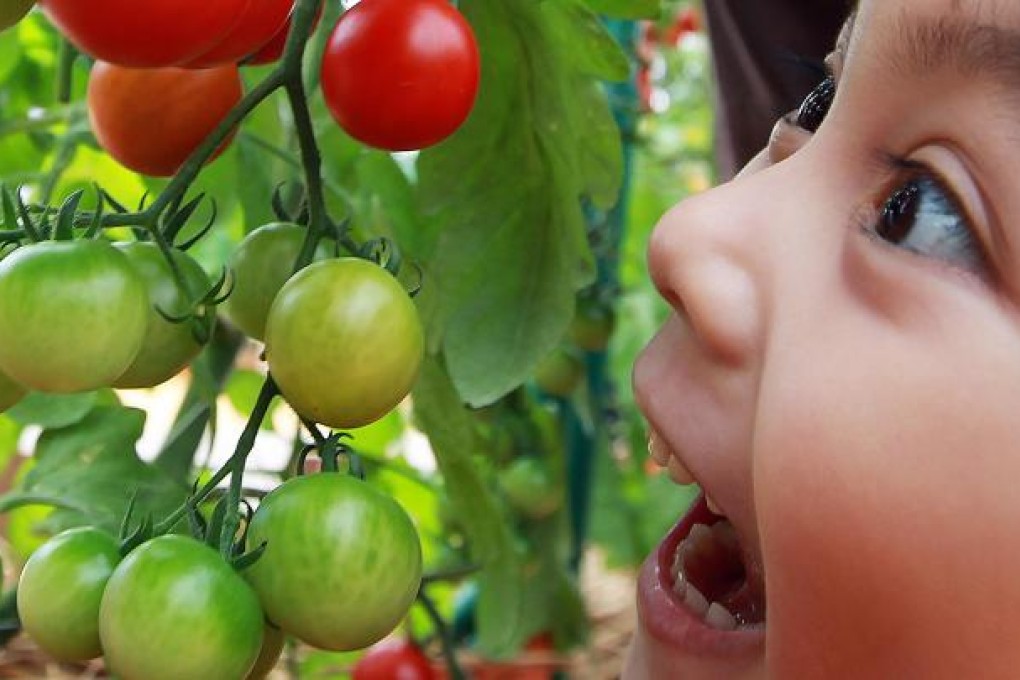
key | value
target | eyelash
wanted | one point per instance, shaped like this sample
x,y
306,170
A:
x,y
920,192
816,105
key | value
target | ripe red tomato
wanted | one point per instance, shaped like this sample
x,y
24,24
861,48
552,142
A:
x,y
145,34
258,25
394,660
401,74
273,50
150,120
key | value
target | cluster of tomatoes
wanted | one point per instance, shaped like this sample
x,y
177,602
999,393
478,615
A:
x,y
341,567
167,71
83,314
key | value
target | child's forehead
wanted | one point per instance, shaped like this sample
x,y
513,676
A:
x,y
915,38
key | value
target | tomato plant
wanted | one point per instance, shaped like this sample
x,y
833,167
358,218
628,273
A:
x,y
150,120
344,342
272,50
390,89
60,590
174,609
560,373
592,325
342,563
273,640
149,34
531,488
12,11
392,659
168,346
262,20
260,265
73,315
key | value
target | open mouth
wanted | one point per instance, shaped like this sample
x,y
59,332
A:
x,y
701,590
711,574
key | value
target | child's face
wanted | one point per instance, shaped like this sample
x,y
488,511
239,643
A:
x,y
841,373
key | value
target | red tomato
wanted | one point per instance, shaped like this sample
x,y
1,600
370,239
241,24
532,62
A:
x,y
273,50
401,74
393,660
258,25
144,33
150,120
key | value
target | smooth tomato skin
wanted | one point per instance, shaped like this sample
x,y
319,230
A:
x,y
151,120
344,342
388,87
260,22
592,326
273,49
73,315
174,609
530,488
560,373
260,265
167,347
146,34
13,11
10,392
394,660
342,564
60,590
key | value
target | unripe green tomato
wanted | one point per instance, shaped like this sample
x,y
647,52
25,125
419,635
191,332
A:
x,y
174,609
168,347
60,590
12,11
273,640
560,373
342,563
73,315
592,325
530,487
262,263
344,342
10,392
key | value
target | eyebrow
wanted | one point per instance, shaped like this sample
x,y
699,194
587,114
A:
x,y
972,49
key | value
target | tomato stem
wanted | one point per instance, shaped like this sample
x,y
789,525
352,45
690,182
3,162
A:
x,y
234,467
445,639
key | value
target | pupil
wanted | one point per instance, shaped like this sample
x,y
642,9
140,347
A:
x,y
898,213
814,107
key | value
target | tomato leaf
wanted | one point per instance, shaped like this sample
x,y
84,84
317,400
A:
x,y
508,188
89,469
627,9
501,609
53,410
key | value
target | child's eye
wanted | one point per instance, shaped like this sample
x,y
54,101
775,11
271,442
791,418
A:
x,y
816,105
924,217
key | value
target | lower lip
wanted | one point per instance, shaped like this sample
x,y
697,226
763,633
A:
x,y
667,620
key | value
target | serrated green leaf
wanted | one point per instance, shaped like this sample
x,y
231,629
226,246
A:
x,y
508,189
53,410
501,612
90,469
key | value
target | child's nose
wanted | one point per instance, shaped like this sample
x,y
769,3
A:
x,y
705,258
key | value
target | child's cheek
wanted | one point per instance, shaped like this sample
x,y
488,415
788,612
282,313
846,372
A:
x,y
887,525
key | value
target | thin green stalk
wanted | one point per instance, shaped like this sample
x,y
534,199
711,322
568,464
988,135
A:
x,y
445,639
234,466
